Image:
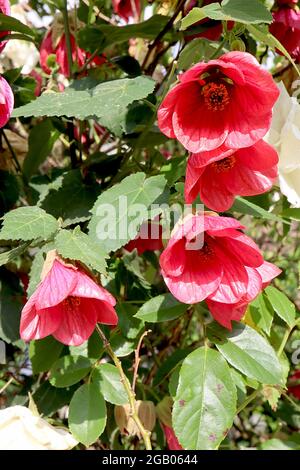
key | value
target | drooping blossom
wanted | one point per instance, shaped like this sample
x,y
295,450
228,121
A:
x,y
225,313
227,101
54,43
67,304
6,101
286,28
219,176
39,82
5,10
21,429
210,29
210,258
60,50
285,136
149,238
294,384
172,441
127,9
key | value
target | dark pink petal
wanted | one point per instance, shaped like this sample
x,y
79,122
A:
x,y
38,325
78,321
6,101
166,110
225,313
214,225
195,283
268,271
173,258
201,159
172,440
194,125
259,157
101,310
56,286
87,288
234,282
46,49
246,182
213,194
191,186
243,247
254,285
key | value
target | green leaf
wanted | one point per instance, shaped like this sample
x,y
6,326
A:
x,y
9,23
277,444
41,140
162,308
71,198
261,33
247,351
104,35
251,12
205,402
43,353
9,191
49,399
108,379
291,214
106,102
130,326
8,256
11,303
87,414
76,245
262,313
169,365
69,370
196,50
282,305
246,207
28,223
117,214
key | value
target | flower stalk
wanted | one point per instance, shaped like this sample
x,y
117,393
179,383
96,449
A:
x,y
146,435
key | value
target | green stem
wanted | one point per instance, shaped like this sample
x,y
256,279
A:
x,y
14,157
248,400
284,340
68,38
146,435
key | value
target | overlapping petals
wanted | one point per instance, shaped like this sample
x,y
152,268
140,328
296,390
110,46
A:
x,y
286,28
221,175
6,101
66,304
5,10
207,108
210,258
127,9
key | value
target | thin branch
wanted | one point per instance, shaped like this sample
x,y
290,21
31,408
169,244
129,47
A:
x,y
146,435
138,359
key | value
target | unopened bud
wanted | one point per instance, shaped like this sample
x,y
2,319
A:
x,y
238,45
51,61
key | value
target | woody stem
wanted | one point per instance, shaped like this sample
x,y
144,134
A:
x,y
146,435
68,38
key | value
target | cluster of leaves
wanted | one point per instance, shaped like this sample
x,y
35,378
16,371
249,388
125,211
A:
x,y
221,382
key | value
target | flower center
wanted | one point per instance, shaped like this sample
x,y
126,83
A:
x,y
206,253
71,304
216,96
224,165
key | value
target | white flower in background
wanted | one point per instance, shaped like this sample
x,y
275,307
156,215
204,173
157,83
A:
x,y
21,429
285,136
22,53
